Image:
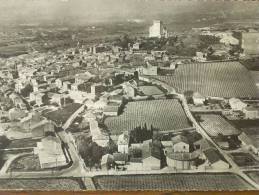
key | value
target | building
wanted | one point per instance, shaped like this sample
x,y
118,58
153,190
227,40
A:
x,y
107,161
120,159
151,155
249,142
123,143
147,70
112,109
158,30
50,153
181,154
250,43
236,104
251,113
198,99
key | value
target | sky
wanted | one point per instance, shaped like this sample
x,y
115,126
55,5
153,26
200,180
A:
x,y
87,11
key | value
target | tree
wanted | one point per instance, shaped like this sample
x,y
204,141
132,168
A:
x,y
4,142
25,92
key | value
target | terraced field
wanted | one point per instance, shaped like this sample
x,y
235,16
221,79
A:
x,y
222,181
162,114
216,79
215,124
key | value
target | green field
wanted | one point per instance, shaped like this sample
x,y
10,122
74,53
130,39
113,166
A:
x,y
197,181
162,114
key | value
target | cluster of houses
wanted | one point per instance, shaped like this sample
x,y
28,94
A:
x,y
180,152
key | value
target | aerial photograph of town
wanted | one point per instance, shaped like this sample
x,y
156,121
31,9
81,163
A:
x,y
129,95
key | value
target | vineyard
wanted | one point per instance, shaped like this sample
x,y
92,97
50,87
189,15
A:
x,y
162,114
217,79
215,124
220,181
41,184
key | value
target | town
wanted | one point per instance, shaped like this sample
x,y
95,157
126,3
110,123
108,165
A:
x,y
162,107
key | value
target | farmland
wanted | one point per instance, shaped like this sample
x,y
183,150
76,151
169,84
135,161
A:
x,y
254,175
67,111
150,90
42,184
161,114
222,79
195,181
215,124
23,143
244,159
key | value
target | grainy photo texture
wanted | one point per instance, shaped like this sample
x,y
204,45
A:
x,y
129,95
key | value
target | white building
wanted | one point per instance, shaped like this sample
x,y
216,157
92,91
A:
x,y
123,143
50,153
251,113
158,30
236,104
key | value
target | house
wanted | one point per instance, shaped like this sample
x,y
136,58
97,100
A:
x,y
151,155
120,159
107,161
16,113
59,82
236,104
123,143
39,98
251,113
182,154
214,160
129,88
112,109
149,70
50,153
83,77
250,143
198,99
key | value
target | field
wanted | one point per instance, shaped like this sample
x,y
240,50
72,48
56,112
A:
x,y
41,184
244,159
218,79
162,114
150,90
23,143
13,50
250,128
172,182
61,115
26,163
254,175
215,124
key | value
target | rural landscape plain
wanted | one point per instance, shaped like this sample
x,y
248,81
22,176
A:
x,y
129,95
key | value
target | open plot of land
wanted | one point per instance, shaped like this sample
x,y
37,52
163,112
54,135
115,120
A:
x,y
172,182
244,159
215,124
162,114
150,90
23,143
216,79
61,115
41,184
